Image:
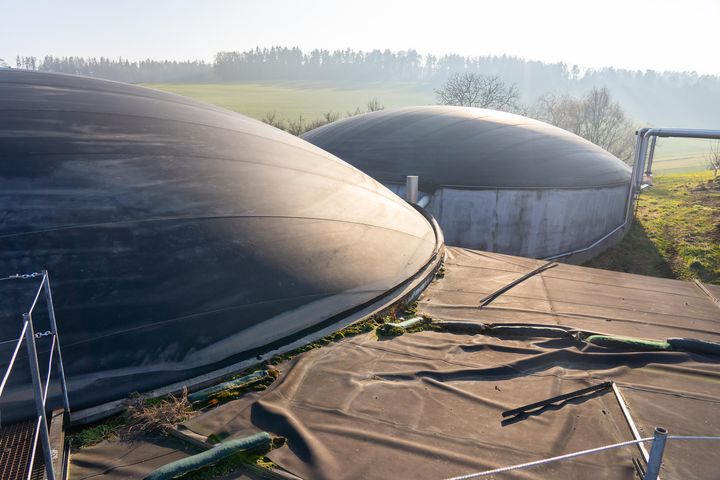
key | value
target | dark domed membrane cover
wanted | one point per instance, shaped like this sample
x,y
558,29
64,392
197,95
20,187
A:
x,y
179,237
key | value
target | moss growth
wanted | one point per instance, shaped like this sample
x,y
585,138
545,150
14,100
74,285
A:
x,y
225,396
358,328
86,436
409,310
109,429
393,329
388,330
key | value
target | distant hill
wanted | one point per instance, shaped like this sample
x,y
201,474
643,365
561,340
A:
x,y
658,98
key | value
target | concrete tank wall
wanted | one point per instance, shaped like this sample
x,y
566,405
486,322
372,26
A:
x,y
527,222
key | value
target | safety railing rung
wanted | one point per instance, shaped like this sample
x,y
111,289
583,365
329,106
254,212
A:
x,y
41,386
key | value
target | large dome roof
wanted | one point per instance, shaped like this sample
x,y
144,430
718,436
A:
x,y
468,147
181,237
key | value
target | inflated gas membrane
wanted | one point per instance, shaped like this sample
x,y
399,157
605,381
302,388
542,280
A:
x,y
179,237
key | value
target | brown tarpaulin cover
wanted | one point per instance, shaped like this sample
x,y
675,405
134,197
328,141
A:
x,y
428,405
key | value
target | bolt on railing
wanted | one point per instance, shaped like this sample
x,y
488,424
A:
x,y
28,336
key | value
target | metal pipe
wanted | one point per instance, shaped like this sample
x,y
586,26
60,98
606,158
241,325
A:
x,y
411,189
34,449
14,356
710,134
49,369
642,136
53,327
38,390
656,454
648,169
424,201
629,420
636,166
37,295
676,133
584,249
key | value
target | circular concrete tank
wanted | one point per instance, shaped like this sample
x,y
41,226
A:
x,y
497,181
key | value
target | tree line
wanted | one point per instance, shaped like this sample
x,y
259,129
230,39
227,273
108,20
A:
x,y
560,94
670,98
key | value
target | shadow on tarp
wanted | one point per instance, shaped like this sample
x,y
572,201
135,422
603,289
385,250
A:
x,y
553,407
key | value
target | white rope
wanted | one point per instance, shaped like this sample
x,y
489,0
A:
x,y
691,437
568,456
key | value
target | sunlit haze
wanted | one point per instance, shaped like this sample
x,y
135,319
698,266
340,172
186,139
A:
x,y
659,35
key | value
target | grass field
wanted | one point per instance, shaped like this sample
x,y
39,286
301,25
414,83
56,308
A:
x,y
293,99
676,233
680,155
290,100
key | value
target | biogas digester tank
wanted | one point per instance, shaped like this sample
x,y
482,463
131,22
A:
x,y
497,181
180,237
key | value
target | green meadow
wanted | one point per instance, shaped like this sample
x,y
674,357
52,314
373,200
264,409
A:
x,y
310,100
293,99
676,232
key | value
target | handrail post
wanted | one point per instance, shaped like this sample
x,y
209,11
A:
x,y
656,454
37,388
53,327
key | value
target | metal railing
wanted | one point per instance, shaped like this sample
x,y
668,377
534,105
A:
x,y
40,387
653,465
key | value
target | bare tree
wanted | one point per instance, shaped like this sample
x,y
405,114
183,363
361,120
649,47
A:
x,y
271,118
373,105
474,90
296,126
713,158
325,118
594,116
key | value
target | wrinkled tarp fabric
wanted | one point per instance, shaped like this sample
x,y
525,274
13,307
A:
x,y
428,405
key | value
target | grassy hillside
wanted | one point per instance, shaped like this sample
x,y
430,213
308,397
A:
x,y
676,233
292,99
680,155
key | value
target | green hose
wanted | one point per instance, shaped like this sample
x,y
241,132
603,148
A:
x,y
245,381
695,346
627,343
209,457
460,326
528,331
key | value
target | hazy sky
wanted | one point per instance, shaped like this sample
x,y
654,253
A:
x,y
659,34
